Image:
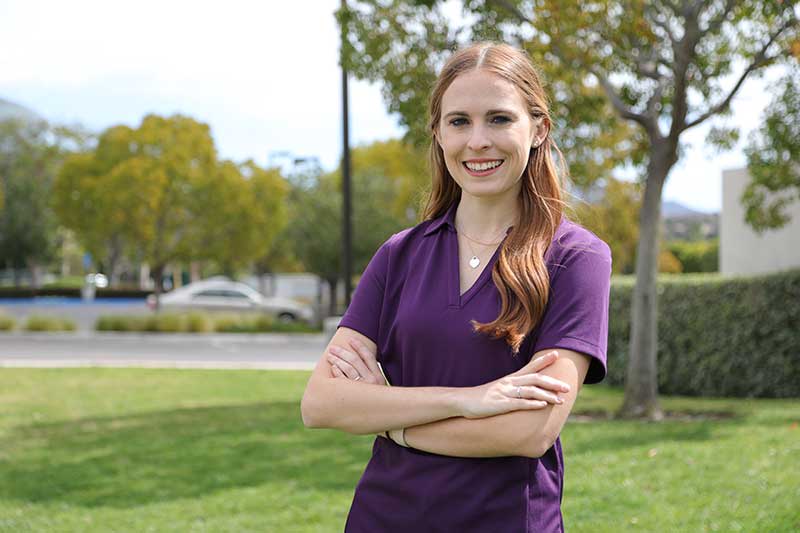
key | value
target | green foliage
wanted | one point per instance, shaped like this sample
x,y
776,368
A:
x,y
7,323
49,323
387,183
197,323
159,194
773,158
696,256
719,336
30,155
615,219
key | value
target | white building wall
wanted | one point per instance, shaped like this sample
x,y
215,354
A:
x,y
742,251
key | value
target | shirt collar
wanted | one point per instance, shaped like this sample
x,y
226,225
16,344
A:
x,y
447,219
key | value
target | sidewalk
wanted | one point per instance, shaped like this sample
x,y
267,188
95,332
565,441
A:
x,y
264,351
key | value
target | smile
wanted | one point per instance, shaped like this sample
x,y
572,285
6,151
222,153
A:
x,y
482,168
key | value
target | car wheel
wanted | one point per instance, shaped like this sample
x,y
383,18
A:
x,y
286,318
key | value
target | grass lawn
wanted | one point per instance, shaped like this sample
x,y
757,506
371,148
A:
x,y
196,450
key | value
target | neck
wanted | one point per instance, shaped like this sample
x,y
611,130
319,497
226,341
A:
x,y
486,218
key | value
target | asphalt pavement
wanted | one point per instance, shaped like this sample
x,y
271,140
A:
x,y
162,350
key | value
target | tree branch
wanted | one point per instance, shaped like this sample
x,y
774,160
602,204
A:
x,y
623,110
759,61
511,8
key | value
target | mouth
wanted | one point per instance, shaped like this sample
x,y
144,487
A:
x,y
482,167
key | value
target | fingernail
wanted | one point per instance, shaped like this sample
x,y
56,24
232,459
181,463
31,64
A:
x,y
559,400
565,388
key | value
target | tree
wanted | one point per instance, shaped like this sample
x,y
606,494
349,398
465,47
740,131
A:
x,y
615,220
159,194
773,158
31,151
660,65
384,179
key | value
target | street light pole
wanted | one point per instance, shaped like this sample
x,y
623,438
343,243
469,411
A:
x,y
346,204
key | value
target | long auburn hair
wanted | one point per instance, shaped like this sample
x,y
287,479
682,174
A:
x,y
520,273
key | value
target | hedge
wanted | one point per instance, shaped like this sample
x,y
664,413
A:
x,y
717,336
65,292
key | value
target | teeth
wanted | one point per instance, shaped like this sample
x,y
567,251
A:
x,y
483,166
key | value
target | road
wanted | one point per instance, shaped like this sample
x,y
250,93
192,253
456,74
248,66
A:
x,y
261,351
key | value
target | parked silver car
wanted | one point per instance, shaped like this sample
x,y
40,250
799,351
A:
x,y
224,295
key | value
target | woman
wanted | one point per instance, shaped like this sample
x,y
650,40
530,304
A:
x,y
483,374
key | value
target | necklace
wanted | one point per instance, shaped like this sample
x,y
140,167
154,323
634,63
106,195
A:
x,y
475,261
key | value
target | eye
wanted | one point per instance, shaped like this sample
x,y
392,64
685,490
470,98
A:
x,y
458,121
501,119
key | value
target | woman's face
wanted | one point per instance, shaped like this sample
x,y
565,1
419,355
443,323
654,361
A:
x,y
486,133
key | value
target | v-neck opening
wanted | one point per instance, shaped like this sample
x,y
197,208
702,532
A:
x,y
456,298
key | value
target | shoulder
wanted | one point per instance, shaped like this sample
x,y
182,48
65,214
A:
x,y
572,242
407,239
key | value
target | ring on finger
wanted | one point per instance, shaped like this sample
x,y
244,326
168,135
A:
x,y
519,392
356,378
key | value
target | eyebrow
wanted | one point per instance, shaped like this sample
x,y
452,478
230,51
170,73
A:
x,y
490,112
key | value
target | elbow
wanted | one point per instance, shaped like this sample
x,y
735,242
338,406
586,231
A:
x,y
311,412
538,445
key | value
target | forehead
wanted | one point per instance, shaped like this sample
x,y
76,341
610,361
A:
x,y
479,90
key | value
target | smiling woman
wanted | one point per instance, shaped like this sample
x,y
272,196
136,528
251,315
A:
x,y
483,375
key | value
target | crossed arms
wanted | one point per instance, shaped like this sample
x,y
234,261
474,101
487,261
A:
x,y
454,421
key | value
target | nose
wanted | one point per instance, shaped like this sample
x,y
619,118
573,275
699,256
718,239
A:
x,y
479,138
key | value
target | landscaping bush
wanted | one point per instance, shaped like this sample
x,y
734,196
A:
x,y
696,256
49,323
6,323
717,336
197,323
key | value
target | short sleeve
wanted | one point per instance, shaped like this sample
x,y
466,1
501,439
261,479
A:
x,y
576,316
364,312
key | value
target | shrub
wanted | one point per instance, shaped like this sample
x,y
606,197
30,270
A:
x,y
696,256
717,336
49,323
7,323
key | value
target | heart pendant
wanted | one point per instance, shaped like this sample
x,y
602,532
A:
x,y
474,262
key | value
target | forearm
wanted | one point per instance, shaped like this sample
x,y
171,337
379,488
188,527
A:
x,y
495,436
363,408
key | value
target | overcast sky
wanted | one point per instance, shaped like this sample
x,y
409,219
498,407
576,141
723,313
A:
x,y
263,75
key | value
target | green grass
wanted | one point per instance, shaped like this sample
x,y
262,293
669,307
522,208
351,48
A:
x,y
196,450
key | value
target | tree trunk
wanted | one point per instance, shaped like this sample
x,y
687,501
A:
x,y
332,303
641,380
158,277
194,271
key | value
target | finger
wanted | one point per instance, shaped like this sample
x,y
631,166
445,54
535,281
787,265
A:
x,y
344,366
336,372
531,404
542,362
541,380
532,392
353,359
369,358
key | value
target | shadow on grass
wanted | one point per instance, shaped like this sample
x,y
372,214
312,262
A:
x,y
615,435
129,461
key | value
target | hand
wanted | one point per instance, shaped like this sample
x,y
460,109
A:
x,y
525,389
360,364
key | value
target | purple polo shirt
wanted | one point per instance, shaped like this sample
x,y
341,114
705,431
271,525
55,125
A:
x,y
407,301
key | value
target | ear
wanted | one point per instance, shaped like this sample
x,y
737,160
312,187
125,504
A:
x,y
436,137
541,127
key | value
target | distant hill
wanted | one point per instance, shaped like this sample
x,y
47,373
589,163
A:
x,y
9,110
671,209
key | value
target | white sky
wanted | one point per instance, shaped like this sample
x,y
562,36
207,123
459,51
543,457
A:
x,y
263,75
